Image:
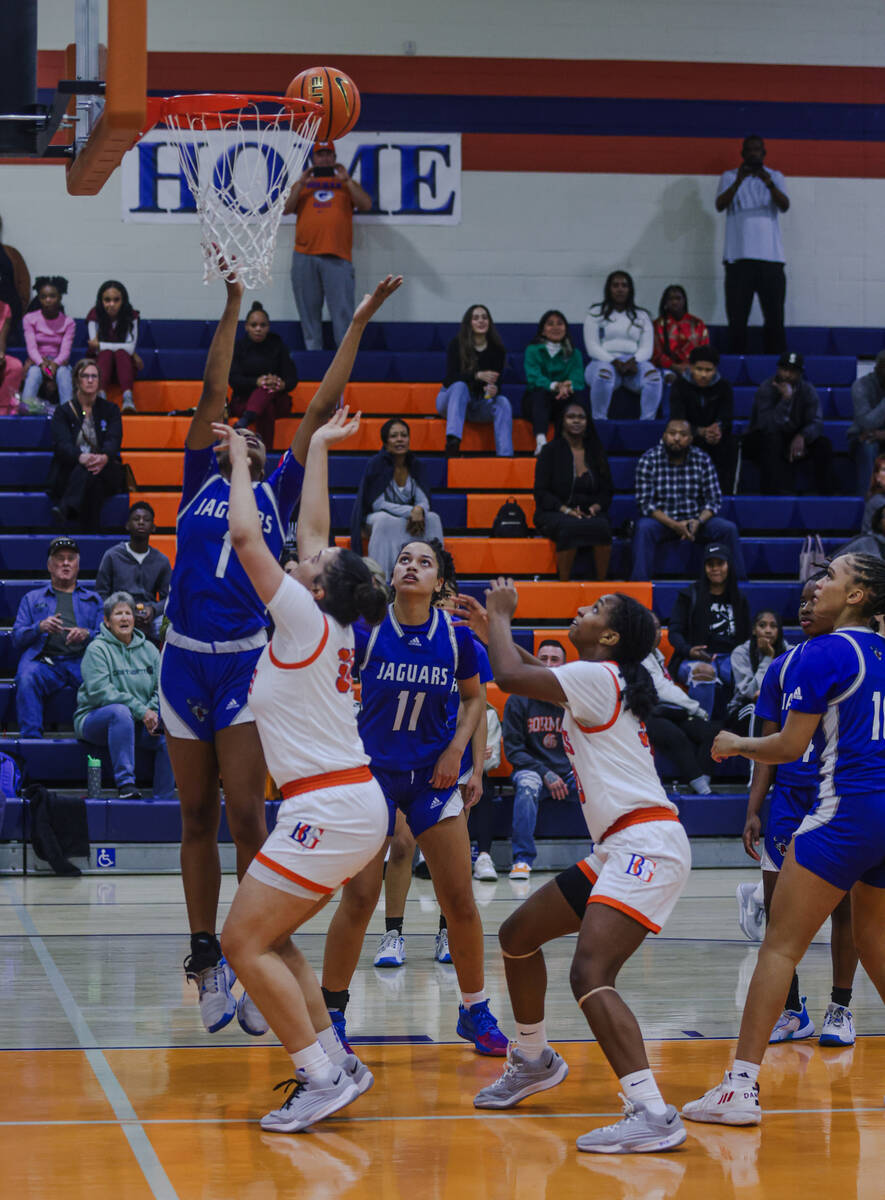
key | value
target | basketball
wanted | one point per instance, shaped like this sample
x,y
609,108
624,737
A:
x,y
336,92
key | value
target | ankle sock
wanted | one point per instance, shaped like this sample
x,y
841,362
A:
x,y
740,1067
531,1038
641,1085
336,1000
331,1044
394,923
841,996
468,999
205,946
315,1063
794,1003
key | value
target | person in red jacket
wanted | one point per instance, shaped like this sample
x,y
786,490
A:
x,y
677,333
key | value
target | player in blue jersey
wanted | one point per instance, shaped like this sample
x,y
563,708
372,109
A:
x,y
217,628
407,668
839,685
793,796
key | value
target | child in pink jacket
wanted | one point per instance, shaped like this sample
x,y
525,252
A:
x,y
49,336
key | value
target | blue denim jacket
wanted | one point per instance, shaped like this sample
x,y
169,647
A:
x,y
36,605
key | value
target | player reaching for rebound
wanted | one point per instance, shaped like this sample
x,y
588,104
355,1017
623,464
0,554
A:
x,y
217,628
839,685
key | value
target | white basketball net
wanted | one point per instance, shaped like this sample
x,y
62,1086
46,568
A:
x,y
240,170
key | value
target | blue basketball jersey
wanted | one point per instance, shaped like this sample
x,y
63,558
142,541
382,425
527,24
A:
x,y
210,596
778,682
407,675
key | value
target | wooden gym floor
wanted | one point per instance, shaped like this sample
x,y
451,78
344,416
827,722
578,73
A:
x,y
111,1087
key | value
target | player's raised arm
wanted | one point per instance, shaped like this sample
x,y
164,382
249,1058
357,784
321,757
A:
x,y
313,515
327,395
215,374
512,674
244,520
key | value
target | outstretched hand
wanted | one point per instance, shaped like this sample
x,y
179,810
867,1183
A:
x,y
230,441
501,597
472,613
370,304
339,426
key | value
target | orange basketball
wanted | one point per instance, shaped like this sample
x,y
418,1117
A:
x,y
336,92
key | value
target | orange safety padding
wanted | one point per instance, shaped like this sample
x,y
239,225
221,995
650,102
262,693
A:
x,y
559,635
482,509
480,439
502,556
154,433
164,504
164,395
426,435
155,468
165,543
483,473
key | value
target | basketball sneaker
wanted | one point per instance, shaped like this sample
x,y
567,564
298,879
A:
x,y
734,1101
250,1019
308,1101
793,1025
391,950
522,1077
339,1021
751,914
358,1073
484,868
520,870
838,1027
441,951
639,1131
476,1024
217,1005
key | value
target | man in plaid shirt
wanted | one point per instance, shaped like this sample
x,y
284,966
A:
x,y
678,496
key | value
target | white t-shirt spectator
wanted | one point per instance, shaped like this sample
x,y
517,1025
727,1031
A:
x,y
752,229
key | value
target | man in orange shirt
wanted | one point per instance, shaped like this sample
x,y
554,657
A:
x,y
324,200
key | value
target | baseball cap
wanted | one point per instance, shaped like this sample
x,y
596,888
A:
x,y
323,146
63,543
791,359
717,550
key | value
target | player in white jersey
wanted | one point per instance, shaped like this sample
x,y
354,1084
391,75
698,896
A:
x,y
626,887
333,817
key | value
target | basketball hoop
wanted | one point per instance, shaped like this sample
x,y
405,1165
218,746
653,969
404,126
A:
x,y
240,155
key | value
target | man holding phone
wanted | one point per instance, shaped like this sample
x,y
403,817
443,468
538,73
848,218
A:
x,y
751,198
324,200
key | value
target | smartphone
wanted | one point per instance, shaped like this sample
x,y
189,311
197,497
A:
x,y
323,171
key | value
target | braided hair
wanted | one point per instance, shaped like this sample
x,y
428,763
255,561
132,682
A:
x,y
869,571
638,634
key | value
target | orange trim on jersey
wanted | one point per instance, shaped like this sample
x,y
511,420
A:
x,y
287,874
585,869
625,908
639,816
615,715
307,661
315,783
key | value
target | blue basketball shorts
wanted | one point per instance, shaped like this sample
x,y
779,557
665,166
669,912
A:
x,y
201,694
410,791
789,808
843,841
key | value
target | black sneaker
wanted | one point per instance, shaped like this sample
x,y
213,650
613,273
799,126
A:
x,y
453,446
128,793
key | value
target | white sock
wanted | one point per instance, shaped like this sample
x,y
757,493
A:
x,y
331,1043
315,1063
641,1086
531,1039
468,999
759,894
741,1067
540,439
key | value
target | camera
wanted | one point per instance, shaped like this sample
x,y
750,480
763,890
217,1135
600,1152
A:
x,y
323,172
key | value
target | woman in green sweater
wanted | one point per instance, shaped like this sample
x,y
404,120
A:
x,y
554,375
118,704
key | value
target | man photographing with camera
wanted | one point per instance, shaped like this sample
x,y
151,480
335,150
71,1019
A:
x,y
324,200
751,197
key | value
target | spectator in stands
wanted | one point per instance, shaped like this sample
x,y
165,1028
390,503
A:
x,y
705,399
709,619
118,704
677,333
112,330
52,627
751,198
871,539
15,282
866,433
475,361
785,427
262,376
324,200
86,468
393,500
619,340
678,496
554,374
749,662
541,770
49,336
11,368
140,570
573,493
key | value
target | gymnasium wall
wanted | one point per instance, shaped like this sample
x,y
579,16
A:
x,y
604,153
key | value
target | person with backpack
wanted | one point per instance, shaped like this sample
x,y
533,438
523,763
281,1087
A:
x,y
573,492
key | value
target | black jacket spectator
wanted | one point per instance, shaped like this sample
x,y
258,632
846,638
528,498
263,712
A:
x,y
699,619
703,406
251,360
786,426
78,493
492,358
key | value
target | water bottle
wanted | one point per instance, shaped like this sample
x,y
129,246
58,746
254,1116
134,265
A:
x,y
93,776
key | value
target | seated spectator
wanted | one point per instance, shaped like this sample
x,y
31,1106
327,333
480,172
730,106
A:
x,y
573,493
49,336
86,467
678,496
785,427
118,704
541,770
393,500
619,340
749,662
112,329
554,374
52,627
677,333
15,283
709,619
137,568
866,433
871,539
475,361
11,368
703,398
262,376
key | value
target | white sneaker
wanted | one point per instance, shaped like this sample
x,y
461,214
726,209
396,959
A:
x,y
838,1027
751,914
520,870
540,443
484,868
442,953
391,950
358,1073
217,1005
793,1025
733,1102
309,1102
128,405
251,1020
639,1131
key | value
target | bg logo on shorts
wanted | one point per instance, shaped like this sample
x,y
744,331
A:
x,y
641,868
306,835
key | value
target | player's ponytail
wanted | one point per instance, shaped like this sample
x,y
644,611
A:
x,y
636,625
352,591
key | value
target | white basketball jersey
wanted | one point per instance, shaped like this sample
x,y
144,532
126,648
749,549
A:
x,y
302,694
607,746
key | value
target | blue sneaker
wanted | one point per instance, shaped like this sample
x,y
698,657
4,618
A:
x,y
339,1022
476,1024
793,1025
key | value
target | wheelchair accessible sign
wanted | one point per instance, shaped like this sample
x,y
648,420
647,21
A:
x,y
106,856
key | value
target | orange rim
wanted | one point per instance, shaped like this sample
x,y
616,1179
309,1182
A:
x,y
211,107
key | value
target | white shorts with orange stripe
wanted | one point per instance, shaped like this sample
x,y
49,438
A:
x,y
323,836
640,870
